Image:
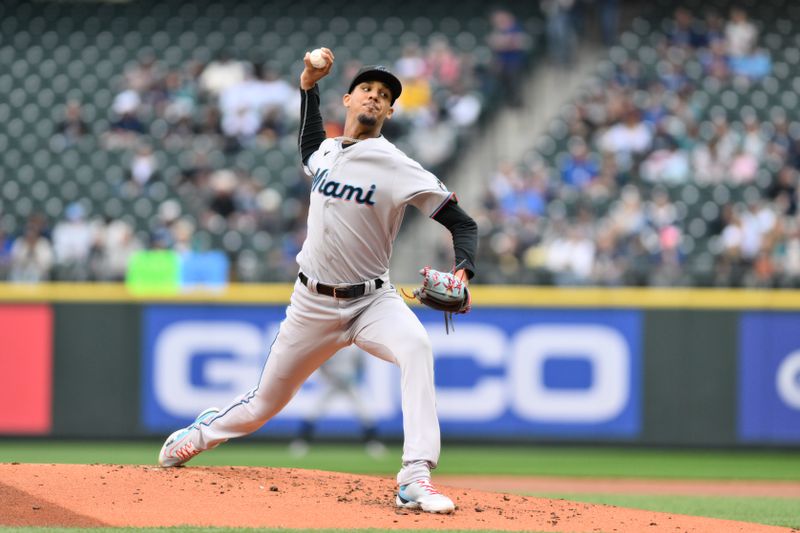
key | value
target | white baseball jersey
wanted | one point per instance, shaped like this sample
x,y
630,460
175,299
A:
x,y
359,195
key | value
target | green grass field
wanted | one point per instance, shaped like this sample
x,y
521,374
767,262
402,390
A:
x,y
771,511
487,460
456,459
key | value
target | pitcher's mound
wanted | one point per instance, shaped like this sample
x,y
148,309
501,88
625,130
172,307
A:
x,y
145,496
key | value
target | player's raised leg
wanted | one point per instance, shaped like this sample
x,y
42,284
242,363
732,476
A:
x,y
388,329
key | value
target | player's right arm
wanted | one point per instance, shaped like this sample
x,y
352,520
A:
x,y
312,131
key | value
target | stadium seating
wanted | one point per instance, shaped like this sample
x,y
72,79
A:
x,y
697,204
56,52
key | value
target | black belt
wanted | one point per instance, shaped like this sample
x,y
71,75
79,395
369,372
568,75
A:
x,y
351,291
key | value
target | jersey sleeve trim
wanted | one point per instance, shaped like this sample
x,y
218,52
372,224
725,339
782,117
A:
x,y
450,196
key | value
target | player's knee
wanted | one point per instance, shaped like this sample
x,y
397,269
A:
x,y
417,348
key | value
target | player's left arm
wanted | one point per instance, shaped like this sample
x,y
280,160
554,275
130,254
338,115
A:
x,y
465,237
427,193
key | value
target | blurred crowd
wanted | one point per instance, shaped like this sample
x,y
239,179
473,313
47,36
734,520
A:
x,y
229,107
653,184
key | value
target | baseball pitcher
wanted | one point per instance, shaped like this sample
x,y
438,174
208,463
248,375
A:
x,y
361,186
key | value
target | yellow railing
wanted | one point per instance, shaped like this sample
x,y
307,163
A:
x,y
502,295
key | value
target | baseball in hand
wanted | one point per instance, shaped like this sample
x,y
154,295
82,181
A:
x,y
317,59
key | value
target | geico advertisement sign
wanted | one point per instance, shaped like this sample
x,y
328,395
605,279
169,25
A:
x,y
503,371
769,377
787,380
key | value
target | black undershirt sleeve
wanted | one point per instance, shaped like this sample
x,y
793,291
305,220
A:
x,y
312,130
465,235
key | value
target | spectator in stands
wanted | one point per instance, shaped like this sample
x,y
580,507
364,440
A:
x,y
525,199
210,125
708,163
627,139
579,168
240,126
629,75
628,216
754,142
245,195
179,100
125,127
143,169
605,185
162,228
571,258
668,163
729,139
781,142
221,73
182,235
411,64
223,184
560,30
464,106
609,20
180,132
686,31
740,34
31,257
118,244
668,258
609,262
504,180
671,75
660,211
743,167
73,238
786,253
416,97
783,190
240,104
509,44
442,64
433,138
277,99
715,27
715,61
654,110
756,221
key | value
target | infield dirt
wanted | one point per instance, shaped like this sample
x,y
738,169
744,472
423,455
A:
x,y
144,496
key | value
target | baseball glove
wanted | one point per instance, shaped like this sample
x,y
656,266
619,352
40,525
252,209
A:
x,y
443,291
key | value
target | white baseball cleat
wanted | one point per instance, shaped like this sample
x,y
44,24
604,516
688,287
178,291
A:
x,y
421,495
177,449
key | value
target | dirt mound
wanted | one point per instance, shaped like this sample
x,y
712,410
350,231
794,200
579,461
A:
x,y
681,487
144,496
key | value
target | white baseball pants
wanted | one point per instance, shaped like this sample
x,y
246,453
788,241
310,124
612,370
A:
x,y
317,326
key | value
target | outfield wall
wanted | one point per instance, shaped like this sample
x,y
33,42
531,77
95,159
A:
x,y
656,367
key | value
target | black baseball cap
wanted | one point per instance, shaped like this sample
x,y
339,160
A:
x,y
378,73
